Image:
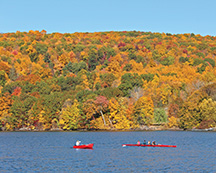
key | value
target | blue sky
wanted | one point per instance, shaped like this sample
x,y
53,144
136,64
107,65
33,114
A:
x,y
69,16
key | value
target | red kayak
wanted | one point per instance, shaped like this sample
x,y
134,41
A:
x,y
144,145
86,146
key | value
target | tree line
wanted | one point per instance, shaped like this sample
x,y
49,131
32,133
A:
x,y
106,80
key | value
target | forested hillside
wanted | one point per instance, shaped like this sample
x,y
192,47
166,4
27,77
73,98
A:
x,y
106,80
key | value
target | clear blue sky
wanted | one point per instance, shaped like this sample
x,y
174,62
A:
x,y
69,16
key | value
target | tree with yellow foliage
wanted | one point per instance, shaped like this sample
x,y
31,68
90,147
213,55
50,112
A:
x,y
69,118
144,110
136,67
172,122
208,113
118,114
114,67
165,93
84,84
5,104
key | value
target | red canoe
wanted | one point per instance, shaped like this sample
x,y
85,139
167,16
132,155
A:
x,y
87,146
142,145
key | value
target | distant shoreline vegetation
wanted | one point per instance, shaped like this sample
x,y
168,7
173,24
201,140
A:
x,y
151,128
107,81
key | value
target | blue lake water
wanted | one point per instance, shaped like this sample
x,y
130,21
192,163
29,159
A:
x,y
53,152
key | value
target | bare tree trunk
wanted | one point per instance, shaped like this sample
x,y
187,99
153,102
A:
x,y
110,122
103,117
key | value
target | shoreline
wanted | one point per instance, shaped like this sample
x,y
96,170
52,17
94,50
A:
x,y
146,129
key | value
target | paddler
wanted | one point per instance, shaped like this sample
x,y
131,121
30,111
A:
x,y
138,142
144,142
153,143
78,143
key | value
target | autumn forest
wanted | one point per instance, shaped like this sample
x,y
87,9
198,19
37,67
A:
x,y
106,80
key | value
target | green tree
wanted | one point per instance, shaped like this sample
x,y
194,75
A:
x,y
41,48
92,60
127,67
148,77
107,78
129,81
20,110
2,78
13,75
42,87
168,61
160,115
210,61
83,95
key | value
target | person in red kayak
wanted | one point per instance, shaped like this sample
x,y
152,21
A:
x,y
78,143
138,142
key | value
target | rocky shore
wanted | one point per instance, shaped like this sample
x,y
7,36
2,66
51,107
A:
x,y
141,128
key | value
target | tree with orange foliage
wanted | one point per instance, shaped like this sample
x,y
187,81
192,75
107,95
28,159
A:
x,y
17,91
5,67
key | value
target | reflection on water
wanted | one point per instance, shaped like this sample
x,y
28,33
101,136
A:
x,y
53,152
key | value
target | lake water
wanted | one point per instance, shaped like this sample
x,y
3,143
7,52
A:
x,y
53,152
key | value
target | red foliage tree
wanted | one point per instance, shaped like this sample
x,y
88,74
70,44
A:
x,y
17,91
102,104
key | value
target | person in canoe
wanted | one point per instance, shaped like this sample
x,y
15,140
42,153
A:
x,y
144,143
138,142
149,142
78,143
153,143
